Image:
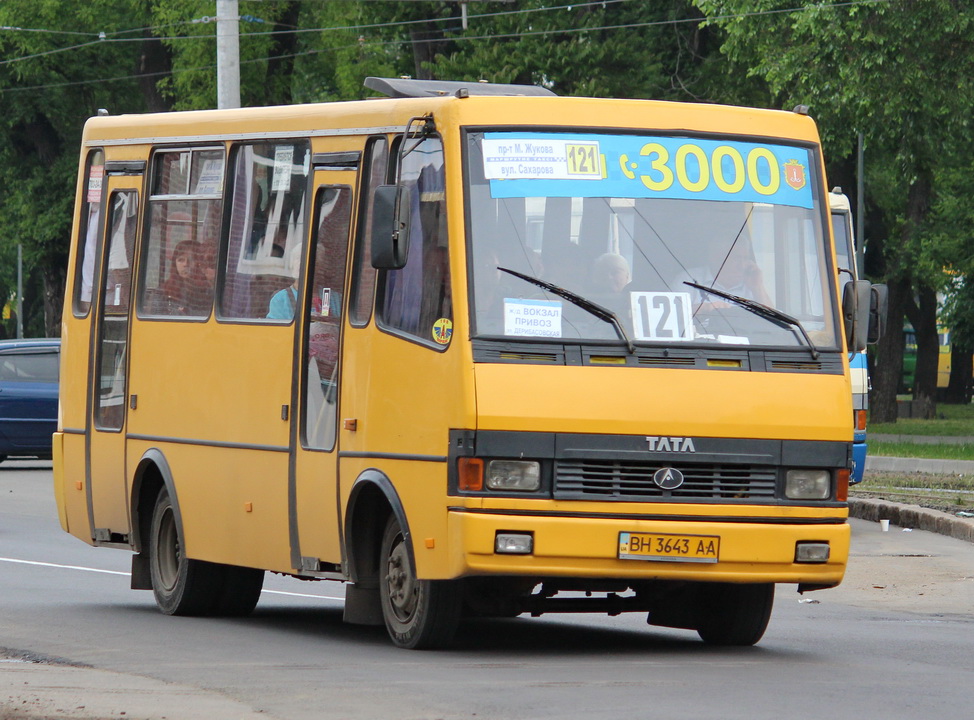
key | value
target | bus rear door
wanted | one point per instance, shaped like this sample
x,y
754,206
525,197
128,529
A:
x,y
106,481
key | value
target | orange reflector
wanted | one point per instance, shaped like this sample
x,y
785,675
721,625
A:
x,y
470,474
842,485
860,420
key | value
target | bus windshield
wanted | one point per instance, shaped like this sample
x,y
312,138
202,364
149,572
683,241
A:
x,y
643,226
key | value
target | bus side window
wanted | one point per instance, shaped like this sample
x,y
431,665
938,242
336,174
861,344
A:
x,y
416,299
334,205
89,222
363,274
267,228
185,214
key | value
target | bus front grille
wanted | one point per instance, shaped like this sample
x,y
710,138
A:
x,y
633,481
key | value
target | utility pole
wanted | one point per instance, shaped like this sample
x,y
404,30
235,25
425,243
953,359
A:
x,y
227,54
20,292
860,239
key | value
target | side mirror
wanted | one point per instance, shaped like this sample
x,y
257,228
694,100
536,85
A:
x,y
856,299
878,310
390,227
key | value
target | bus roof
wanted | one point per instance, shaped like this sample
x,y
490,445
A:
x,y
378,115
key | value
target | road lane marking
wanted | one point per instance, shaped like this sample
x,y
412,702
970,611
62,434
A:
x,y
63,567
127,574
294,594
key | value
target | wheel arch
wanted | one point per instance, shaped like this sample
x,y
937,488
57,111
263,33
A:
x,y
365,522
151,476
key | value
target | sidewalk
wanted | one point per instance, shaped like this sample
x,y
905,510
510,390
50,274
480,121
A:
x,y
37,688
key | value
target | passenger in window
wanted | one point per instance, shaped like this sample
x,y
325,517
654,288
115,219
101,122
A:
x,y
610,273
181,283
201,297
283,302
610,278
736,272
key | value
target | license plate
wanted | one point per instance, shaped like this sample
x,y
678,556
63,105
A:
x,y
669,548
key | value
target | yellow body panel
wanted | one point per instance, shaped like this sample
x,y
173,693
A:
x,y
233,502
686,403
226,367
70,485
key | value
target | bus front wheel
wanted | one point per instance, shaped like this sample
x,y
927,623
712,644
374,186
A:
x,y
418,613
192,587
734,614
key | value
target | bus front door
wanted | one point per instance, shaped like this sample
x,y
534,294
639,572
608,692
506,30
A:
x,y
315,535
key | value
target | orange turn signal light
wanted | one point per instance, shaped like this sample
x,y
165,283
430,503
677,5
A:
x,y
470,474
842,485
860,420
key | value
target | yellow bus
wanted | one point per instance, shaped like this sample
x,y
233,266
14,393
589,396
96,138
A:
x,y
471,349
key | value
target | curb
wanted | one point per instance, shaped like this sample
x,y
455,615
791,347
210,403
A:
x,y
912,516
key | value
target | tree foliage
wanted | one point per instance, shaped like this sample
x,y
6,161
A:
x,y
47,93
900,73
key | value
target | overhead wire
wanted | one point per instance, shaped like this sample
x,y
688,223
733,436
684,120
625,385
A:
x,y
103,36
456,38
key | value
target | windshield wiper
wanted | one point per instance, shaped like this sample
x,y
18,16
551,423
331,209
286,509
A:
x,y
602,313
765,311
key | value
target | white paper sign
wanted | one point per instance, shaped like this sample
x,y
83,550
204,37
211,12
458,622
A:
x,y
537,318
210,181
662,316
548,159
283,160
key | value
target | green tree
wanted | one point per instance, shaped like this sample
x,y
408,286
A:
x,y
613,49
47,93
900,72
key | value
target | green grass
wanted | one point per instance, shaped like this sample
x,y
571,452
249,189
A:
x,y
952,420
915,450
949,493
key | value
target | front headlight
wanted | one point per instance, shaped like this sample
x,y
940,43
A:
x,y
517,475
808,484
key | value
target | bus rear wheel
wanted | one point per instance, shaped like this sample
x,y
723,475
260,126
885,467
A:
x,y
734,614
193,587
418,614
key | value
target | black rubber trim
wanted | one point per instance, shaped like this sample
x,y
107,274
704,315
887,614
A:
x,y
208,443
734,520
393,456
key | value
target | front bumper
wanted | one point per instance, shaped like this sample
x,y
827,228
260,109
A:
x,y
758,549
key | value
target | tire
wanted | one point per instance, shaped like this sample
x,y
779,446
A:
x,y
240,592
734,615
418,614
193,587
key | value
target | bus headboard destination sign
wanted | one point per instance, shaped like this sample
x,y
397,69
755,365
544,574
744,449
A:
x,y
633,166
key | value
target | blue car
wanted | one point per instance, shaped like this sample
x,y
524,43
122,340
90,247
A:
x,y
28,396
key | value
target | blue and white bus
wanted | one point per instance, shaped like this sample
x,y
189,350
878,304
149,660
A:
x,y
845,253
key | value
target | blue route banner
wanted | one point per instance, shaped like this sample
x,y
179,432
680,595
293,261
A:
x,y
632,166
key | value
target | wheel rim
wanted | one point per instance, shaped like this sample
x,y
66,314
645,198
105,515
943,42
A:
x,y
167,557
401,583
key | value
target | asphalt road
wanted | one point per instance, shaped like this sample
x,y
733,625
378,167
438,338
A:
x,y
894,641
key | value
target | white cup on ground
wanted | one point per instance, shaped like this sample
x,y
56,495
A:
x,y
884,525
